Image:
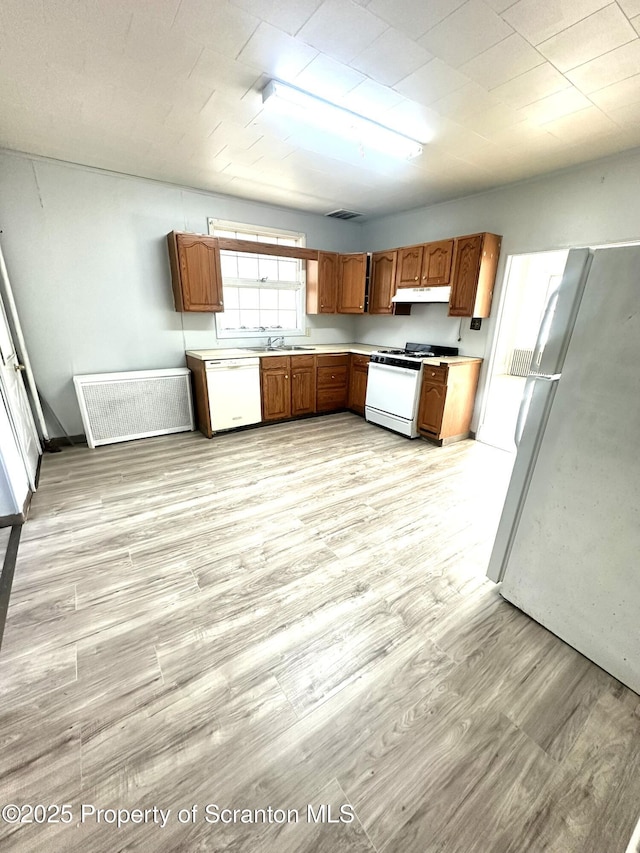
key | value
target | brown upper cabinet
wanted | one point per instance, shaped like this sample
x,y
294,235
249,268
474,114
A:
x,y
409,267
474,273
436,263
426,265
195,272
382,284
322,284
352,283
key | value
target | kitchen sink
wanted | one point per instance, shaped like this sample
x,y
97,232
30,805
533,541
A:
x,y
278,349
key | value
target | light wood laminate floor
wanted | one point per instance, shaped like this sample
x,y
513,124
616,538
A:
x,y
288,616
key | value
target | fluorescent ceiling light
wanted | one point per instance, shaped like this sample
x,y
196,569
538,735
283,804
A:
x,y
335,119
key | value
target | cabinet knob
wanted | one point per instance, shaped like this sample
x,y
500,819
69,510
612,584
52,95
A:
x,y
322,304
432,373
416,278
362,306
286,376
333,377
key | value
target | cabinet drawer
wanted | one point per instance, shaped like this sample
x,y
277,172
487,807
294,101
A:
x,y
432,374
332,360
302,361
360,360
332,377
275,362
330,399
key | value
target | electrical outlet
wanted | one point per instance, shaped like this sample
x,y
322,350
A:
x,y
476,323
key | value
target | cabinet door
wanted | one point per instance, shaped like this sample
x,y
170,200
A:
x,y
409,270
464,286
358,385
199,271
436,264
352,283
382,282
276,394
303,391
431,407
327,282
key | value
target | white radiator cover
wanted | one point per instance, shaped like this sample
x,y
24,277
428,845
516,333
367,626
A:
x,y
136,404
520,362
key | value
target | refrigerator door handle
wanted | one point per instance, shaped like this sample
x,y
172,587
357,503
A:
x,y
523,411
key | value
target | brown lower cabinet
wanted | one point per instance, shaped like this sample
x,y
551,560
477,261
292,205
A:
x,y
447,399
358,382
333,382
288,386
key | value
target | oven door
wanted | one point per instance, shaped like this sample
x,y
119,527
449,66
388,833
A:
x,y
393,389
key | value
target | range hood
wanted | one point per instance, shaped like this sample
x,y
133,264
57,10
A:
x,y
422,294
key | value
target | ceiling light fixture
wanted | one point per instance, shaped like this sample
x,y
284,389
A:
x,y
331,117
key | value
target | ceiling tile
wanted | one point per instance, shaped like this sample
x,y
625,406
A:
x,y
328,78
618,94
160,48
581,126
488,121
456,140
531,86
502,62
342,29
414,120
631,8
219,26
283,14
562,103
464,102
468,31
626,116
431,82
499,5
609,68
599,33
538,20
220,72
371,99
274,52
391,57
413,18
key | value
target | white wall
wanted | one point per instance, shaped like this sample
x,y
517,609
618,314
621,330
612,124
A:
x,y
87,256
588,205
86,253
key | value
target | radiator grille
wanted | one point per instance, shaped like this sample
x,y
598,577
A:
x,y
520,362
122,406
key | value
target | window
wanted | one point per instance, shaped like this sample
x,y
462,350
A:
x,y
263,294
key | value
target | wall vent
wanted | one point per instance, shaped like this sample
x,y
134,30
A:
x,y
520,362
136,404
341,213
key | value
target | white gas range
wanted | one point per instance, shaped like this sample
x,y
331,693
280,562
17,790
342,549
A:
x,y
393,387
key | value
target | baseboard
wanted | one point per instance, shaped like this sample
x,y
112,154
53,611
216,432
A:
x,y
68,441
6,577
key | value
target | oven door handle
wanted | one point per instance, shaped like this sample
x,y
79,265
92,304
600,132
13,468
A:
x,y
374,365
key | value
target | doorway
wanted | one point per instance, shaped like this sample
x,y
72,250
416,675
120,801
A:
x,y
529,281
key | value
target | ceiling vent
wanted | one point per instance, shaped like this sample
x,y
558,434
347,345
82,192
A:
x,y
341,213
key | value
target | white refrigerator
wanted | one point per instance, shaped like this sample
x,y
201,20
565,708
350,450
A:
x,y
567,549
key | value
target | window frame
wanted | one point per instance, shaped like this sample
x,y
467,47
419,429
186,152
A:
x,y
244,228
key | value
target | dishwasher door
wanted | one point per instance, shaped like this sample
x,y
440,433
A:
x,y
234,392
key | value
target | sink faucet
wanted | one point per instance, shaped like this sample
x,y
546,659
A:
x,y
277,341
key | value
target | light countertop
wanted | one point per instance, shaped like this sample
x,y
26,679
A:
x,y
319,349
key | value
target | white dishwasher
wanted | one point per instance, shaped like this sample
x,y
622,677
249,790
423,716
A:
x,y
233,386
